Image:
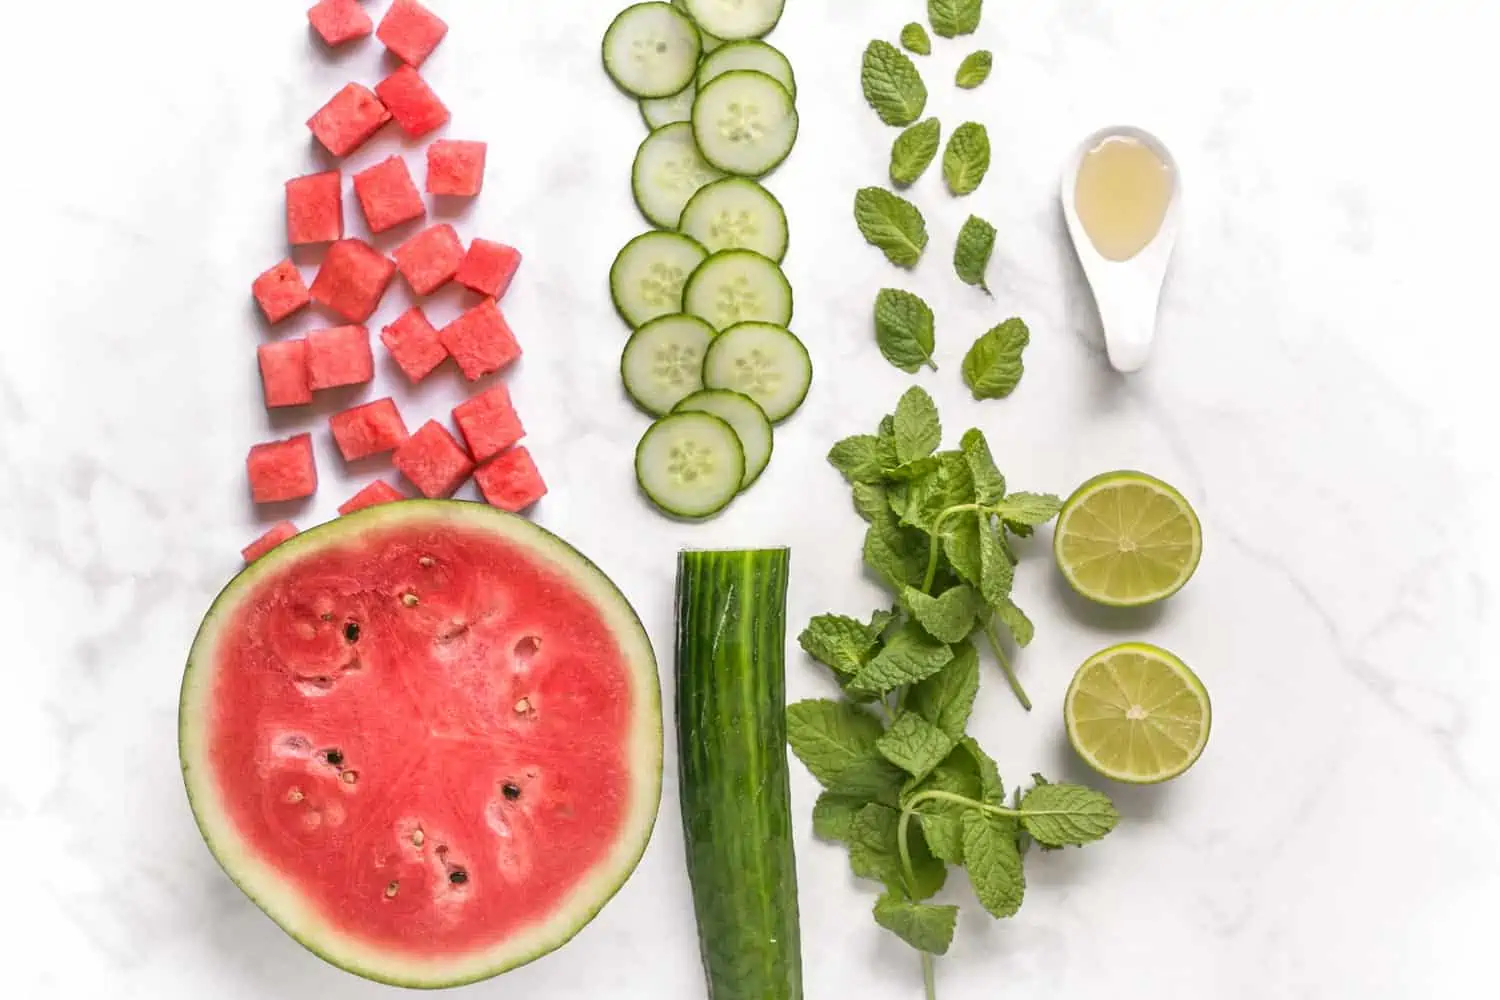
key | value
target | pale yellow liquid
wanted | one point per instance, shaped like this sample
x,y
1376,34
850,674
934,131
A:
x,y
1122,196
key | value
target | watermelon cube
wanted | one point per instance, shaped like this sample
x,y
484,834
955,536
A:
x,y
352,279
411,102
280,532
349,118
378,492
339,21
488,268
339,356
282,470
411,31
283,373
489,423
511,482
455,167
315,208
435,463
429,259
371,429
481,341
280,291
387,194
414,344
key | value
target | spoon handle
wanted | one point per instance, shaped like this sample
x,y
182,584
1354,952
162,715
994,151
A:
x,y
1129,328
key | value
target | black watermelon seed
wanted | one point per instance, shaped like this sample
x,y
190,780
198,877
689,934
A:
x,y
458,876
511,791
351,631
334,757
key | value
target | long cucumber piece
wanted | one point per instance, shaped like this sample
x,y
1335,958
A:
x,y
736,809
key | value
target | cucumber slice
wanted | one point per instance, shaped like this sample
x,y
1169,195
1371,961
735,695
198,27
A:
x,y
735,19
765,362
668,171
659,111
753,55
738,286
652,50
736,214
663,362
710,42
745,122
749,421
648,275
690,464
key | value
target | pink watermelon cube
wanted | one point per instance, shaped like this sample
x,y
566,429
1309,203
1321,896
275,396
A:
x,y
489,423
315,208
283,373
511,482
378,492
488,268
411,102
280,532
481,341
339,355
430,259
371,429
282,470
349,118
352,279
414,344
387,194
455,167
435,463
339,21
411,31
280,291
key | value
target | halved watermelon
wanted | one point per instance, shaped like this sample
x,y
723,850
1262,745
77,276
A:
x,y
425,738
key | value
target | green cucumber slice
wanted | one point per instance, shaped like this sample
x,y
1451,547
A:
x,y
752,55
750,423
765,362
690,464
668,171
738,286
744,122
659,111
710,42
736,214
735,19
649,273
663,362
652,50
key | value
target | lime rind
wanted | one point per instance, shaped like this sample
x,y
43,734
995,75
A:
x,y
1089,562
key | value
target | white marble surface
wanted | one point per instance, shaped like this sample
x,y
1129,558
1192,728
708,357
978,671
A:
x,y
1322,390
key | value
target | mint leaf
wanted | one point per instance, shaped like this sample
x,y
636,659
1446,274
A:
x,y
946,699
949,617
904,330
857,458
954,17
914,39
909,656
1015,622
975,69
870,778
1030,509
914,150
828,736
917,468
924,926
993,861
886,450
967,158
918,430
942,819
898,555
1067,815
870,501
971,255
833,816
892,85
997,572
991,788
873,852
989,484
947,485
993,367
961,545
838,642
880,621
915,745
892,224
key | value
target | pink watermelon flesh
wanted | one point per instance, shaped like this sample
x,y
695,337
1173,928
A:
x,y
339,356
411,102
455,167
278,533
481,341
411,31
430,259
349,118
489,267
339,21
283,373
414,344
432,461
511,482
280,291
315,208
352,280
362,431
488,423
376,493
282,470
387,194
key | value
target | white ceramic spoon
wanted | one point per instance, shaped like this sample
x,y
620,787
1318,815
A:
x,y
1126,292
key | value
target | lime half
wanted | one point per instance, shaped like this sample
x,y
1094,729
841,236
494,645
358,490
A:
x,y
1136,713
1126,539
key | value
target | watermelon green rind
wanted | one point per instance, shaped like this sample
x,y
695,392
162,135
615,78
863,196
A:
x,y
296,916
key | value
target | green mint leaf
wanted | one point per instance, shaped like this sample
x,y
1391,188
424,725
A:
x,y
828,736
992,368
858,458
967,158
971,255
873,852
975,69
886,435
833,816
839,642
917,468
954,17
892,85
942,819
961,545
946,699
898,555
870,778
909,656
1067,815
997,572
989,484
914,150
904,330
892,224
924,926
918,429
993,860
870,501
927,871
949,617
1015,622
915,745
991,788
948,485
1029,509
914,39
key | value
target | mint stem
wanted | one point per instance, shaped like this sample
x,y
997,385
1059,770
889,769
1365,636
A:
x,y
927,978
935,543
909,876
1010,674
